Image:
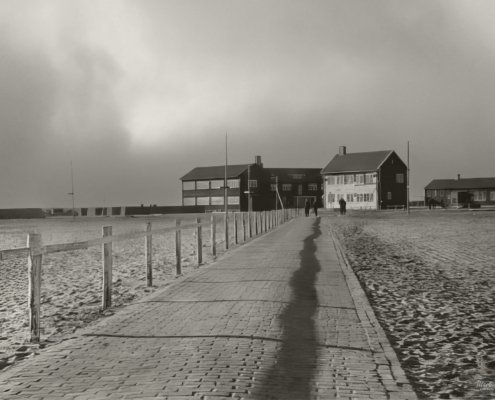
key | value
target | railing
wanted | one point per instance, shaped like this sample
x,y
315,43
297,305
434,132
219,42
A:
x,y
250,224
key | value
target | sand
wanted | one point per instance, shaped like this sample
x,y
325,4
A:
x,y
71,281
431,280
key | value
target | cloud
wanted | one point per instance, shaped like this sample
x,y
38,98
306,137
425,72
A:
x,y
138,93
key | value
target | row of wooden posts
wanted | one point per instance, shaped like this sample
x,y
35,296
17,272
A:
x,y
250,224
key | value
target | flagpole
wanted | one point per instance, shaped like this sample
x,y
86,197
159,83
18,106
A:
x,y
226,198
408,173
72,191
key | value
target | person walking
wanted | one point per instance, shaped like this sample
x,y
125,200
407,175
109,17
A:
x,y
342,206
306,208
315,208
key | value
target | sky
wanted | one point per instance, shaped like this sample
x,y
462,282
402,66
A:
x,y
137,93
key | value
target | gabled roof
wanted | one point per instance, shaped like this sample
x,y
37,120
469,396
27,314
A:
x,y
463,183
215,172
357,162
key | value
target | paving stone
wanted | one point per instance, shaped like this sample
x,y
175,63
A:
x,y
282,317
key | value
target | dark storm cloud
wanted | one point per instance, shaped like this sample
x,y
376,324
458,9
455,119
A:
x,y
138,93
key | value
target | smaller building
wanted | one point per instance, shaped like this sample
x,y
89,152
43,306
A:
x,y
369,180
461,192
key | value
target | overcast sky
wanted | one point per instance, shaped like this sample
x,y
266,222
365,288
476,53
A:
x,y
137,93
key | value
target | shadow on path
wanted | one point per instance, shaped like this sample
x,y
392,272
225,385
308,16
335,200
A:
x,y
291,377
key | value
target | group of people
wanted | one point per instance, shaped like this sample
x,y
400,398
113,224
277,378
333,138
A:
x,y
307,207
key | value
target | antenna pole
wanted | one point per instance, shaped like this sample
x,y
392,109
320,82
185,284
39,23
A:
x,y
408,173
226,195
72,191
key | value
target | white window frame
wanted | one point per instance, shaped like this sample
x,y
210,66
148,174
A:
x,y
203,201
253,183
312,187
189,201
286,187
492,195
399,178
217,201
202,185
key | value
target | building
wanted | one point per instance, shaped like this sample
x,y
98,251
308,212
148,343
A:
x,y
461,192
371,180
205,186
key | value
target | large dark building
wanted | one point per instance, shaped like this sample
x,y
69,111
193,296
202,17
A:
x,y
251,187
371,180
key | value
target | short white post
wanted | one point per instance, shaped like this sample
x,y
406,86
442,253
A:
x,y
107,270
236,233
148,250
34,285
213,234
243,220
178,256
199,241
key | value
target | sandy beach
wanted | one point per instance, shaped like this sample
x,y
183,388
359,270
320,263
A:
x,y
71,281
430,278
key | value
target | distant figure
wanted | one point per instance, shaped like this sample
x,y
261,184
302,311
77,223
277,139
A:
x,y
342,204
306,208
315,208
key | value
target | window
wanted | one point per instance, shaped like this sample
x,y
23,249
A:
x,y
273,187
203,201
360,178
366,197
389,195
441,193
233,200
371,197
189,201
331,197
287,187
340,179
233,183
202,184
189,185
349,179
399,178
253,183
368,178
331,180
217,184
479,195
350,197
217,201
492,196
312,187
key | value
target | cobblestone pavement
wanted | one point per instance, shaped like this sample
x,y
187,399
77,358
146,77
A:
x,y
282,317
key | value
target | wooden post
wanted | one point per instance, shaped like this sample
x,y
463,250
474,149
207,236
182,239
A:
x,y
107,270
236,233
256,224
213,236
243,219
250,225
199,239
226,229
34,285
148,250
178,257
266,222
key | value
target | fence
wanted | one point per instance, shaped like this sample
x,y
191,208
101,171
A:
x,y
246,225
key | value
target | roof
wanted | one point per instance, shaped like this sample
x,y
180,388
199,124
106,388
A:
x,y
463,183
290,174
355,162
215,172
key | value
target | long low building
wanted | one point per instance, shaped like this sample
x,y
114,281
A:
x,y
461,192
251,187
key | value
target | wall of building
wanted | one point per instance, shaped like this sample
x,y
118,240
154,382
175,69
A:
x,y
392,185
360,190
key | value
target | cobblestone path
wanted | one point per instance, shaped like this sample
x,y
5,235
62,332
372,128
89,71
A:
x,y
282,317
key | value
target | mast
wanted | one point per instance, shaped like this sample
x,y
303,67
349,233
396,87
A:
x,y
226,198
72,190
408,210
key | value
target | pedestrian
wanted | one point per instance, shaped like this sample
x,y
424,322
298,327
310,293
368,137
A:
x,y
342,206
315,208
306,208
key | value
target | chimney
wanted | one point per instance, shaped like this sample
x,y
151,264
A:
x,y
458,177
257,160
342,150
